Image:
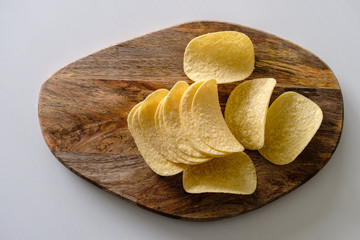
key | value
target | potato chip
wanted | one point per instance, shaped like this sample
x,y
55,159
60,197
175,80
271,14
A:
x,y
209,125
162,145
172,129
231,174
245,111
225,56
187,122
175,155
292,121
169,147
143,140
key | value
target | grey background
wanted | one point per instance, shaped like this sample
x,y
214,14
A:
x,y
41,199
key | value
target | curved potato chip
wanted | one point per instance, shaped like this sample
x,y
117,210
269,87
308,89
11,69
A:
x,y
231,174
172,126
209,125
168,149
225,56
245,111
144,142
130,116
292,121
187,122
163,145
146,116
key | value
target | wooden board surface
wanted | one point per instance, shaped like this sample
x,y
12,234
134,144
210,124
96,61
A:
x,y
84,106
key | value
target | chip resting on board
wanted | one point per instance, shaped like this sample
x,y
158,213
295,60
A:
x,y
172,127
152,157
187,121
245,111
226,56
231,174
163,145
292,121
209,125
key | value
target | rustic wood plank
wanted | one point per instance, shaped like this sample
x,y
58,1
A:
x,y
83,109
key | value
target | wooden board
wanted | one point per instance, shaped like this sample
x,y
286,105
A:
x,y
84,106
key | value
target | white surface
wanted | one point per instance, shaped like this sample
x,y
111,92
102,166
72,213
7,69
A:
x,y
41,199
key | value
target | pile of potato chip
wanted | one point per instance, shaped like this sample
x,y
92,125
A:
x,y
183,130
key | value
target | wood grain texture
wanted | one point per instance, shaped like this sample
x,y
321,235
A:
x,y
84,106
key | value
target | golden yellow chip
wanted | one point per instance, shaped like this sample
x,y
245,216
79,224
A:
x,y
209,125
162,145
292,121
175,155
131,114
225,56
245,111
144,141
231,174
146,116
172,128
187,122
168,144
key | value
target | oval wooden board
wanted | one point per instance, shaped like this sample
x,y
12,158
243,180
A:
x,y
84,106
